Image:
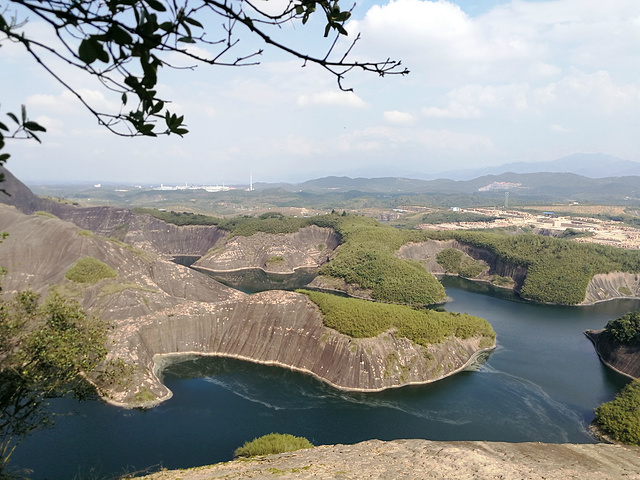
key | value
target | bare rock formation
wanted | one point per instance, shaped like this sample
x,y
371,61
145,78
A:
x,y
624,359
425,253
424,459
309,247
160,309
142,231
609,286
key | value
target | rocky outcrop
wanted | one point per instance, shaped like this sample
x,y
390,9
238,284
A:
x,y
609,286
309,247
424,459
624,359
284,329
159,309
425,253
141,231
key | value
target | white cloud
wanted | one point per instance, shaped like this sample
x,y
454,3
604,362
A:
x,y
331,97
400,118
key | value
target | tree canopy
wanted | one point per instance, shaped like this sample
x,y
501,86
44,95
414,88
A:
x,y
125,44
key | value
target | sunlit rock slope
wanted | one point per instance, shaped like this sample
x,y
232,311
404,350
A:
x,y
424,459
309,247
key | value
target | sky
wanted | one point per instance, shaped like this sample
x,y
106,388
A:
x,y
491,82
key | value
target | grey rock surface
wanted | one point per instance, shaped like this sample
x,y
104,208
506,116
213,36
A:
x,y
424,459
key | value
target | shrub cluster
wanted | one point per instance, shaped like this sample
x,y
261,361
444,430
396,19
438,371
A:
x,y
620,418
271,444
457,262
365,319
366,258
625,329
90,270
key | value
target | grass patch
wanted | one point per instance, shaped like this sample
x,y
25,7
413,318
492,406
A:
x,y
276,260
144,395
90,270
624,290
85,233
113,288
620,418
272,443
42,213
364,319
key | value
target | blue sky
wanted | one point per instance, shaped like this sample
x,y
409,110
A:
x,y
491,82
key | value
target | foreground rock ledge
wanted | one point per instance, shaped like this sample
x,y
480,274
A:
x,y
424,459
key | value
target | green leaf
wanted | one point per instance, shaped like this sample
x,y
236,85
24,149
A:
x,y
341,29
124,99
23,109
34,127
87,51
179,131
13,117
156,5
186,40
4,157
166,26
4,127
120,36
193,21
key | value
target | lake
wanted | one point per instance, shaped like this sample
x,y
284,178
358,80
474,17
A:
x,y
540,384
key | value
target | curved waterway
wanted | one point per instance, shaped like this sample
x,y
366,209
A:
x,y
541,384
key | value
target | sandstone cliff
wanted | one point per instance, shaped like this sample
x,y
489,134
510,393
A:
x,y
624,359
425,253
609,286
309,247
424,459
159,308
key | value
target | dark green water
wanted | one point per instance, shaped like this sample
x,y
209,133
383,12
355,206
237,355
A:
x,y
540,384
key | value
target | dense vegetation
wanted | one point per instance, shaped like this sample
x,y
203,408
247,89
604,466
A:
x,y
271,444
620,418
89,270
447,216
625,329
459,263
365,319
45,351
366,258
558,271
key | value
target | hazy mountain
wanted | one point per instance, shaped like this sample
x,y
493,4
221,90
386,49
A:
x,y
592,165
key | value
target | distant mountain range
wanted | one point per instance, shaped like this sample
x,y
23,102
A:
x,y
592,165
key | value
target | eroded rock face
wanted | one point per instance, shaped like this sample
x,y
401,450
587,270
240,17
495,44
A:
x,y
141,231
426,252
609,286
161,309
424,459
310,247
623,359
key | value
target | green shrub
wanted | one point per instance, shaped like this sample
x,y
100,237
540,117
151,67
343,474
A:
x,y
271,444
624,290
457,262
90,270
275,260
365,319
85,233
620,418
625,329
42,213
